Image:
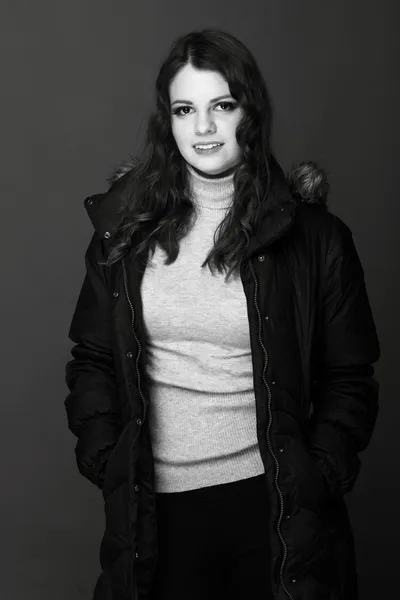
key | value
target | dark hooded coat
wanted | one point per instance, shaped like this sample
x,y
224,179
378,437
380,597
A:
x,y
313,344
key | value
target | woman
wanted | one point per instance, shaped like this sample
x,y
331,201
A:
x,y
222,417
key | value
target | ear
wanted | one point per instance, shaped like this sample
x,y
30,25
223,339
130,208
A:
x,y
308,182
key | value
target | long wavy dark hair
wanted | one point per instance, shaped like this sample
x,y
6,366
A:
x,y
158,203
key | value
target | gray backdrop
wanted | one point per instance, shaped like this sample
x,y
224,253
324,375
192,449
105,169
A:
x,y
76,88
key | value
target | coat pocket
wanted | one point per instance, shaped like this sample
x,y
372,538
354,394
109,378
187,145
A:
x,y
309,486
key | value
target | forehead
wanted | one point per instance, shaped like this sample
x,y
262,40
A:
x,y
197,85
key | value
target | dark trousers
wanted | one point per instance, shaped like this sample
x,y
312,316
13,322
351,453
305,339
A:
x,y
214,543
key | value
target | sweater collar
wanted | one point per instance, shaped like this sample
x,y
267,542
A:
x,y
212,193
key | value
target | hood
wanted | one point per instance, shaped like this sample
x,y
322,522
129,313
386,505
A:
x,y
308,180
305,183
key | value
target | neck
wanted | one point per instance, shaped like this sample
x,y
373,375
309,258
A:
x,y
225,173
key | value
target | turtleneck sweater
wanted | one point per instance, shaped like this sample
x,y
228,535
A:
x,y
202,413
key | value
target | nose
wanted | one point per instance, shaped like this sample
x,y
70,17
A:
x,y
205,124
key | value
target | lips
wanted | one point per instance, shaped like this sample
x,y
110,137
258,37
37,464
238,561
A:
x,y
207,144
208,151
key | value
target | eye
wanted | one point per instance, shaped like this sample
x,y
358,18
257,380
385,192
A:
x,y
231,106
176,111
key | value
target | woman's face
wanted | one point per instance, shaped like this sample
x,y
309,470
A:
x,y
198,117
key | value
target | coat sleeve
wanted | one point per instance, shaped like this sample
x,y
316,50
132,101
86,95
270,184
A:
x,y
345,406
92,404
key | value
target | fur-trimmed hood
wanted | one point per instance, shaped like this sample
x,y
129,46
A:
x,y
307,180
305,184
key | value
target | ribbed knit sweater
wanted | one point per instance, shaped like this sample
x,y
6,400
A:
x,y
202,412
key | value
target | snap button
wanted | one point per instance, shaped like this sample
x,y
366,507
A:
x,y
266,318
136,487
116,294
287,517
280,449
282,209
293,580
273,382
137,554
261,258
129,354
107,234
139,421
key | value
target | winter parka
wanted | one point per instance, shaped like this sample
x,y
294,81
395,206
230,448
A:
x,y
313,345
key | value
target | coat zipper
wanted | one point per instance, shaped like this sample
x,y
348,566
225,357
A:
x,y
278,526
137,341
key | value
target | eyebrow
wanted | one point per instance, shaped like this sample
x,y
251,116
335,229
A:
x,y
212,100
